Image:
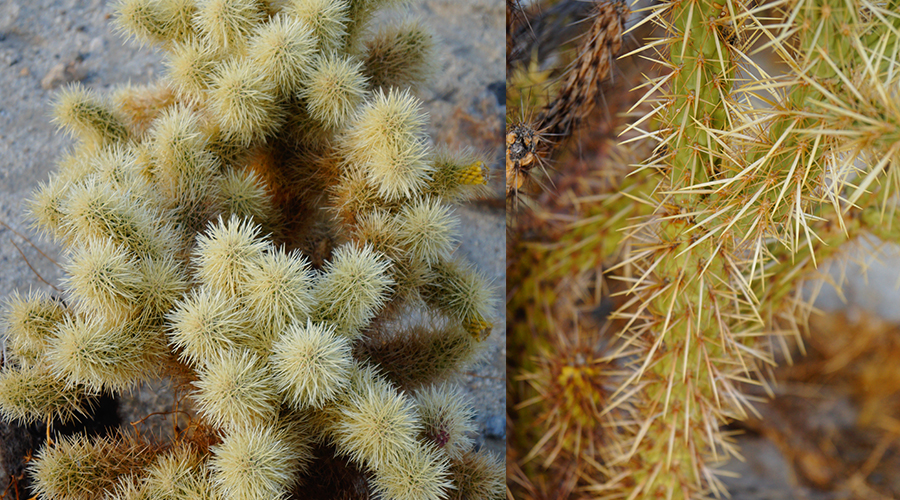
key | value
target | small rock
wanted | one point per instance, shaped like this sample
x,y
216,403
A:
x,y
498,88
495,427
9,15
62,74
55,77
24,72
97,44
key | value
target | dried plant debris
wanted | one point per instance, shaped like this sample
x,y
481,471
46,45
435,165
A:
x,y
836,413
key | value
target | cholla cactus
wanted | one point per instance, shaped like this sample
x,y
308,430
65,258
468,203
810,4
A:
x,y
270,226
750,184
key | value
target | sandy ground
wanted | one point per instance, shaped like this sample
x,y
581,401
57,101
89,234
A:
x,y
46,43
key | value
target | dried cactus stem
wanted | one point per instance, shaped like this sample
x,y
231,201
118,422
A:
x,y
531,144
593,65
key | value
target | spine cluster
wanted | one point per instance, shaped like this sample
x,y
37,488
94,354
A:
x,y
270,226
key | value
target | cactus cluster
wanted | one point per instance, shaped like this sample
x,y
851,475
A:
x,y
269,226
773,128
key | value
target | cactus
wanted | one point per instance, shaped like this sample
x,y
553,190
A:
x,y
751,183
270,227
